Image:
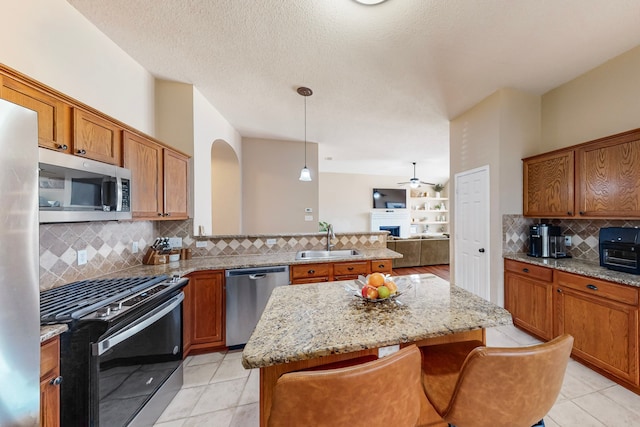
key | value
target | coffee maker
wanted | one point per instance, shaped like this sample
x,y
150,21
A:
x,y
546,241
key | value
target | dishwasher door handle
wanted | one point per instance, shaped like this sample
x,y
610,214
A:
x,y
257,276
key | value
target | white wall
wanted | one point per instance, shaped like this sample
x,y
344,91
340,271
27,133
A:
x,y
51,42
208,126
346,199
603,101
498,132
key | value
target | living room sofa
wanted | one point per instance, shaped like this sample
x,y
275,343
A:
x,y
419,251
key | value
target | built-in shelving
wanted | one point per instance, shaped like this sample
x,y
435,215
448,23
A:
x,y
428,214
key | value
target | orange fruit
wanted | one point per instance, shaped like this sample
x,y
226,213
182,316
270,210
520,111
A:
x,y
393,288
375,279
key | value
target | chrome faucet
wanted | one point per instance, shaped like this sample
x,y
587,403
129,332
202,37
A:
x,y
330,235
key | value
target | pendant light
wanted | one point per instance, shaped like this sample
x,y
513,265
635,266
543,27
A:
x,y
305,173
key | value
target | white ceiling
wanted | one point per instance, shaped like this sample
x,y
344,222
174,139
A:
x,y
386,79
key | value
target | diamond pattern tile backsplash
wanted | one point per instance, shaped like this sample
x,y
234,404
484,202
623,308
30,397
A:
x,y
109,246
583,232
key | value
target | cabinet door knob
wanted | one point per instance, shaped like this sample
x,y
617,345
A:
x,y
559,291
159,213
83,151
569,213
62,146
581,213
311,271
56,381
481,250
168,214
526,270
592,287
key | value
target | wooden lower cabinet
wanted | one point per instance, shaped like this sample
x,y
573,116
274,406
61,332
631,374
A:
x,y
50,383
603,319
528,291
342,270
204,312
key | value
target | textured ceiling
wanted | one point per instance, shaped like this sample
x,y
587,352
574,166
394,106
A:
x,y
386,78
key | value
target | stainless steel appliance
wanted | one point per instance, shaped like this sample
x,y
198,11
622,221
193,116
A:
x,y
72,188
546,241
248,290
620,249
121,359
19,287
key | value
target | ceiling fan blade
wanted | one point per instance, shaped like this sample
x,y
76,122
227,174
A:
x,y
427,183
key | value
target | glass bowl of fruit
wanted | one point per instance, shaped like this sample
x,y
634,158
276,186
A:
x,y
376,287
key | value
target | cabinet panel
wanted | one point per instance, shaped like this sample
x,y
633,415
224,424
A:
x,y
381,266
49,383
533,271
54,116
350,268
599,288
305,271
548,182
96,138
176,182
605,332
609,176
206,303
144,158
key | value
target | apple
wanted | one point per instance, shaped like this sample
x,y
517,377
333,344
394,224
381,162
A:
x,y
369,292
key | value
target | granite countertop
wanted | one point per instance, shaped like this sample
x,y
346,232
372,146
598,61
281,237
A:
x,y
307,321
185,267
578,266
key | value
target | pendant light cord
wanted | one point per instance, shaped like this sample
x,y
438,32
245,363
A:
x,y
305,131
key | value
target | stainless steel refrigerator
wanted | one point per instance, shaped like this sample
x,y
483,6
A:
x,y
19,263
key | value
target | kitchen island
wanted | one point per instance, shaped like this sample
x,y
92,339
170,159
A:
x,y
305,326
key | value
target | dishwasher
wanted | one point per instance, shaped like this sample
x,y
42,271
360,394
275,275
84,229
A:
x,y
248,290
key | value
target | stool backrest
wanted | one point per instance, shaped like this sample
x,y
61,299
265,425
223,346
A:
x,y
509,386
384,392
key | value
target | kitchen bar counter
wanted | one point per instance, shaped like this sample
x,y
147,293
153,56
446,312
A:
x,y
185,267
306,326
577,266
50,331
307,321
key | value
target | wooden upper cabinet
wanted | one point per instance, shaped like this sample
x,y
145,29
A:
x,y
144,158
548,182
54,116
159,176
176,184
96,138
609,177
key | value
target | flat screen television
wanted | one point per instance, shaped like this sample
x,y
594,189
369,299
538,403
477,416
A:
x,y
389,198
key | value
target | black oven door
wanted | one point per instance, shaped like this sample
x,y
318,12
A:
x,y
131,363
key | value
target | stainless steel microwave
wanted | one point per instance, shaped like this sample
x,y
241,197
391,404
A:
x,y
75,189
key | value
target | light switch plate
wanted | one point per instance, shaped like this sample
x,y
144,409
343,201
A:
x,y
82,257
134,248
567,240
271,242
175,242
201,244
308,217
385,351
373,238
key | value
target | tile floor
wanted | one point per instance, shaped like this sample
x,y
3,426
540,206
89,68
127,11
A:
x,y
219,392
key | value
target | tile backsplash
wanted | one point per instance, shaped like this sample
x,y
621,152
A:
x,y
583,232
109,246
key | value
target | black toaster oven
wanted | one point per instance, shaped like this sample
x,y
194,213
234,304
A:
x,y
620,249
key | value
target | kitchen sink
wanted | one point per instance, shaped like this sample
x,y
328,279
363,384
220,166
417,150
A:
x,y
340,253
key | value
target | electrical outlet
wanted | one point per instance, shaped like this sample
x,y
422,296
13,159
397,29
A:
x,y
175,242
134,248
373,238
308,210
271,242
82,257
385,351
567,240
201,244
308,217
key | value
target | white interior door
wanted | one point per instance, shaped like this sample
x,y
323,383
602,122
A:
x,y
472,231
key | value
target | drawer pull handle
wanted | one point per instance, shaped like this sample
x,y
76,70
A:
x,y
311,271
350,268
526,270
380,265
592,287
56,381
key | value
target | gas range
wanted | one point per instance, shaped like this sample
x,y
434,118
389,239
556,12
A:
x,y
103,299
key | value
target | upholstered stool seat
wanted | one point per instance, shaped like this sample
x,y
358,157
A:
x,y
471,385
384,392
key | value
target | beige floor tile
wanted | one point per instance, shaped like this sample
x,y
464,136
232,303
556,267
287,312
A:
x,y
251,392
518,335
607,411
230,369
548,422
220,418
220,395
198,375
246,416
233,354
580,380
175,423
568,414
201,359
624,397
497,338
181,405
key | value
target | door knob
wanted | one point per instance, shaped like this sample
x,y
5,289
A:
x,y
481,250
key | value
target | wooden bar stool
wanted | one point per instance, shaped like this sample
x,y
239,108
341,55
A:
x,y
470,385
384,392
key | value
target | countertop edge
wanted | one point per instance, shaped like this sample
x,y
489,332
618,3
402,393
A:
x,y
50,331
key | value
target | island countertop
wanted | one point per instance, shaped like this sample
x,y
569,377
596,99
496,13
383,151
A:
x,y
304,322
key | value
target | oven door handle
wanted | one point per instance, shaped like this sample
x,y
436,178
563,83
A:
x,y
145,321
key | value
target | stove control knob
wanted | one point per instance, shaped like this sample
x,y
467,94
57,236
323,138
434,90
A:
x,y
103,312
115,306
175,278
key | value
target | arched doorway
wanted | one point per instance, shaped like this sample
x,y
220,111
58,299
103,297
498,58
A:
x,y
226,190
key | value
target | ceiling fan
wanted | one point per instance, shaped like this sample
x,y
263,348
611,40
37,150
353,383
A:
x,y
415,182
